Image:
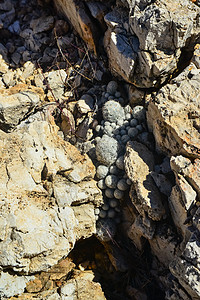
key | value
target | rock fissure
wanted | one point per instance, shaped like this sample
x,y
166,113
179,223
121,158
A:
x,y
99,168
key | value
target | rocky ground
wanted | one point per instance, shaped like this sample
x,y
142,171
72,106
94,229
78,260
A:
x,y
99,123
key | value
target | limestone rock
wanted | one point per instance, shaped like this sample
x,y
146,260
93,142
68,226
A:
x,y
83,286
165,244
146,55
187,275
173,115
33,158
183,195
121,49
138,164
85,104
77,15
16,103
86,225
42,24
12,284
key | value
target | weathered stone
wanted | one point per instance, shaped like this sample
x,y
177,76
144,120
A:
x,y
3,65
30,156
68,123
188,276
121,50
11,285
69,193
138,164
83,286
173,115
42,24
85,104
86,222
76,13
164,245
163,184
16,103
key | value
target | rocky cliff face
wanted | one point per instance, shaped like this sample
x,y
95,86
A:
x,y
99,171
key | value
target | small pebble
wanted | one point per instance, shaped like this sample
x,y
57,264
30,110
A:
x,y
111,181
133,122
127,109
102,214
102,171
101,184
106,123
111,213
122,185
108,130
128,116
118,194
120,122
113,125
127,128
109,193
120,162
113,203
139,113
126,123
105,206
97,139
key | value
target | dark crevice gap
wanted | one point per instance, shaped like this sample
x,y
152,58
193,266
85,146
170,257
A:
x,y
116,284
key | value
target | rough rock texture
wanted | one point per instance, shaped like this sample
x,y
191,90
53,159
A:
x,y
37,167
147,54
138,163
79,18
82,287
173,114
16,103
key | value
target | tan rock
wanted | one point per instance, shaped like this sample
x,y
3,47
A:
x,y
80,20
187,275
86,225
82,287
68,123
34,286
16,102
173,115
30,156
138,164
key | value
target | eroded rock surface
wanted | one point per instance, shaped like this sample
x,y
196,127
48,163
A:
x,y
34,160
173,115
